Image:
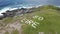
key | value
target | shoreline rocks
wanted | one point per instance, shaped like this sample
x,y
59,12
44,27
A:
x,y
15,12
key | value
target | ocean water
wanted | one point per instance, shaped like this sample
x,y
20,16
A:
x,y
15,4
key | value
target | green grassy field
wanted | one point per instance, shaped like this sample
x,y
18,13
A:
x,y
50,23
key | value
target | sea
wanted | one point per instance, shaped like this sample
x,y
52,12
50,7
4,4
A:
x,y
15,4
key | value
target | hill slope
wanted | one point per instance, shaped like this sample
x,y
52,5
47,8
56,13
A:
x,y
45,19
50,22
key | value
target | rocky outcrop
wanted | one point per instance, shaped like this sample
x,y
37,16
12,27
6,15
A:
x,y
16,12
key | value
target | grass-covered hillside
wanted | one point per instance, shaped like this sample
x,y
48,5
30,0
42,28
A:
x,y
43,20
49,24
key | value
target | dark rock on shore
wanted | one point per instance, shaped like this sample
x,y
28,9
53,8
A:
x,y
16,12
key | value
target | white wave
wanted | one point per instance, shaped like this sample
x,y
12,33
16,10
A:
x,y
12,8
39,5
5,9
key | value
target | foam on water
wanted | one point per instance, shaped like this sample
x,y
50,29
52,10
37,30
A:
x,y
14,8
3,10
6,8
9,8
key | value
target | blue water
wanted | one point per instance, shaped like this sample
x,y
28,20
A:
x,y
6,4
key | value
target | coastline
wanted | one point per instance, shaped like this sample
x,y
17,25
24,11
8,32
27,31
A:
x,y
11,12
12,8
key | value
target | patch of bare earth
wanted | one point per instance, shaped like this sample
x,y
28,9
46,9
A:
x,y
10,27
